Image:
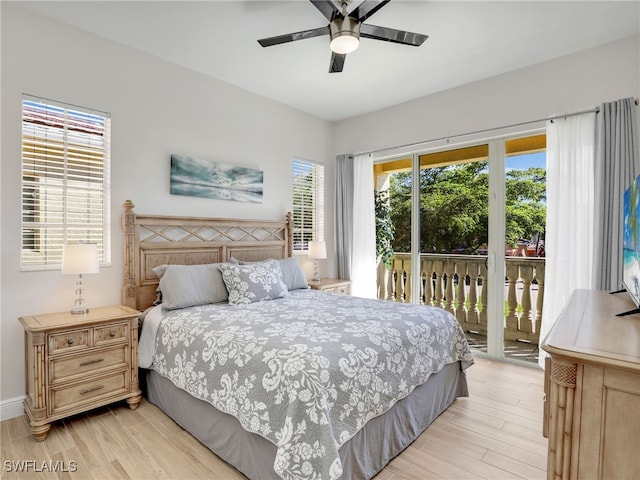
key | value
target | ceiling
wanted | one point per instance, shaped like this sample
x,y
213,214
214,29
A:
x,y
468,41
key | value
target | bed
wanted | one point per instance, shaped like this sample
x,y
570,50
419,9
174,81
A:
x,y
281,381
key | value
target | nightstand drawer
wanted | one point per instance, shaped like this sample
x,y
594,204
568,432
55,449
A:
x,y
332,285
66,398
69,341
114,333
66,368
343,289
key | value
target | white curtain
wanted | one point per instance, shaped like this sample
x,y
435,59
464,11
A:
x,y
363,251
569,242
355,223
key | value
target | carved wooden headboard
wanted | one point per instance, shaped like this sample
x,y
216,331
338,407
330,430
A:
x,y
152,240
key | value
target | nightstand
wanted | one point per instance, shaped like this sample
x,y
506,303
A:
x,y
333,285
78,362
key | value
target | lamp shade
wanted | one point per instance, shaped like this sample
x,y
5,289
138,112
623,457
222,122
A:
x,y
79,258
317,249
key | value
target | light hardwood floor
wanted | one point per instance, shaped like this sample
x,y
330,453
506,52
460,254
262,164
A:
x,y
496,433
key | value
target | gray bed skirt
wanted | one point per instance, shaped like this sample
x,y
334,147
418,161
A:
x,y
368,452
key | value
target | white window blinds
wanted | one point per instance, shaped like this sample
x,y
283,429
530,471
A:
x,y
308,203
65,181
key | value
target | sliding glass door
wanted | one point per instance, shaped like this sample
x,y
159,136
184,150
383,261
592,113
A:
x,y
454,234
525,225
445,230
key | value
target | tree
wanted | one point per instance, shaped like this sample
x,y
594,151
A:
x,y
454,207
384,227
525,208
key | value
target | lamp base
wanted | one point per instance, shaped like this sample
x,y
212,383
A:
x,y
79,307
316,271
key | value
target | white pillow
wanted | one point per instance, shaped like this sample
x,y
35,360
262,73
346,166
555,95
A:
x,y
253,282
184,286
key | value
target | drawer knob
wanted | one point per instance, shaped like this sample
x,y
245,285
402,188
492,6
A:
x,y
112,334
70,341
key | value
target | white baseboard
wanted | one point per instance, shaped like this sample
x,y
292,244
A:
x,y
11,408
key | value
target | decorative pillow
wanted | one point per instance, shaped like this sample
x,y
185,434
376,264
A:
x,y
253,282
292,274
188,285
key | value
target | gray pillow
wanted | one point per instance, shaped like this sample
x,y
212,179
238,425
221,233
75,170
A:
x,y
184,286
253,282
292,274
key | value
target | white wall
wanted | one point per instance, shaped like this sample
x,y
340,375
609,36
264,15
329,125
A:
x,y
157,109
570,83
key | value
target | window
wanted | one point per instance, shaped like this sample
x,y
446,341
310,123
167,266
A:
x,y
65,181
308,204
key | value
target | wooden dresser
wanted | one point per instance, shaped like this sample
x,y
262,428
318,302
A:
x,y
78,362
592,389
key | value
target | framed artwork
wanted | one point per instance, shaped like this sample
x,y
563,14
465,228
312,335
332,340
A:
x,y
209,179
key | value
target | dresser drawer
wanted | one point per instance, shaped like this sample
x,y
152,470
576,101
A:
x,y
67,368
83,394
108,334
69,341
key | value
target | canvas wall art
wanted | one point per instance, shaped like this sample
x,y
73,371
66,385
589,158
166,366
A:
x,y
209,179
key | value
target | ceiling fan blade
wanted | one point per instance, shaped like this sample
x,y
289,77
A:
x,y
392,35
327,8
337,62
292,37
367,8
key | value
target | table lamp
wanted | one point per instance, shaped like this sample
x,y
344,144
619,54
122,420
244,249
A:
x,y
317,251
79,258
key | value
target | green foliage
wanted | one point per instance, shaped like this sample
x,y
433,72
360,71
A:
x,y
384,227
525,209
454,207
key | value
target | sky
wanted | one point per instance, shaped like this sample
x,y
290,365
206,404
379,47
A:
x,y
522,162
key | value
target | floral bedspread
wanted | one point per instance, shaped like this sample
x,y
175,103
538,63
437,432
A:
x,y
309,370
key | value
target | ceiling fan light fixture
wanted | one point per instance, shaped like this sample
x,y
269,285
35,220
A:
x,y
345,35
345,27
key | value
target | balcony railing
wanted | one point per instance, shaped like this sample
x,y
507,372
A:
x,y
457,284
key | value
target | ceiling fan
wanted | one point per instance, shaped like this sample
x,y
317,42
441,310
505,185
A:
x,y
346,28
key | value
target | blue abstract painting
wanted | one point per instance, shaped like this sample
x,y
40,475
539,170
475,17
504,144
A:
x,y
209,179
